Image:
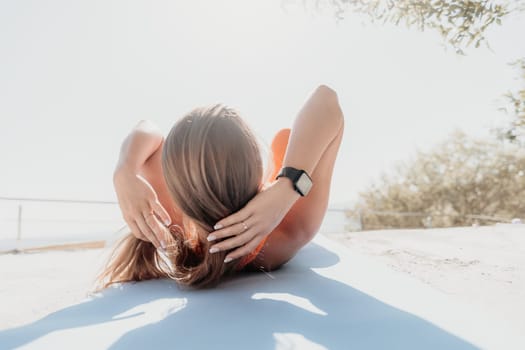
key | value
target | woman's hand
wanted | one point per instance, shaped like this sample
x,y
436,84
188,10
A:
x,y
140,206
247,227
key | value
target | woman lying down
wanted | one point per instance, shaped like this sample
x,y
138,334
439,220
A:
x,y
199,206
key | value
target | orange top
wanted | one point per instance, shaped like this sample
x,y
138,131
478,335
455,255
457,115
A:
x,y
278,149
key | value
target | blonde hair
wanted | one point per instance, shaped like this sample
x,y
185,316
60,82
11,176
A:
x,y
212,166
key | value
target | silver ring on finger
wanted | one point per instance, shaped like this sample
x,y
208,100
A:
x,y
147,215
244,226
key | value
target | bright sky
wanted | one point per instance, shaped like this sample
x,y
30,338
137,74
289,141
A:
x,y
76,76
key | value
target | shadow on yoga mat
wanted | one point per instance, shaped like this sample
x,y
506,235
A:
x,y
295,307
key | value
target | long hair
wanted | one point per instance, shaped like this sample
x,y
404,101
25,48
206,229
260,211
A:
x,y
212,166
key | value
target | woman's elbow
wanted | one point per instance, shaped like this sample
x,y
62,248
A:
x,y
326,92
331,100
147,126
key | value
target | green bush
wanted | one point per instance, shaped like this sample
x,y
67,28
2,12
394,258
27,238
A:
x,y
463,181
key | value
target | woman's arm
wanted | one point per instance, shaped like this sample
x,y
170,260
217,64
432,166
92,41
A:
x,y
137,198
317,125
143,140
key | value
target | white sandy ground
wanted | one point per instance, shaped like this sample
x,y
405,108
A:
x,y
483,267
478,272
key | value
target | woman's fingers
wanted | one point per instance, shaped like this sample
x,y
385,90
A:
x,y
241,215
145,225
135,230
244,250
161,212
159,231
233,242
146,231
232,230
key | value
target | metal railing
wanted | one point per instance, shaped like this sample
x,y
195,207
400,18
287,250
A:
x,y
427,221
21,200
84,201
353,220
21,219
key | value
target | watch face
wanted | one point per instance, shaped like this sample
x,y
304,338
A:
x,y
304,184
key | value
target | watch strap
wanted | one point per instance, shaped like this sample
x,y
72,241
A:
x,y
290,172
295,175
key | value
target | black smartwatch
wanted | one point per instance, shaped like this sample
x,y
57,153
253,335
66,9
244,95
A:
x,y
302,182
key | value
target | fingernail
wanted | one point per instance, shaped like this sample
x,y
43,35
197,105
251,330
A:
x,y
217,226
227,260
211,238
167,222
213,250
163,244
